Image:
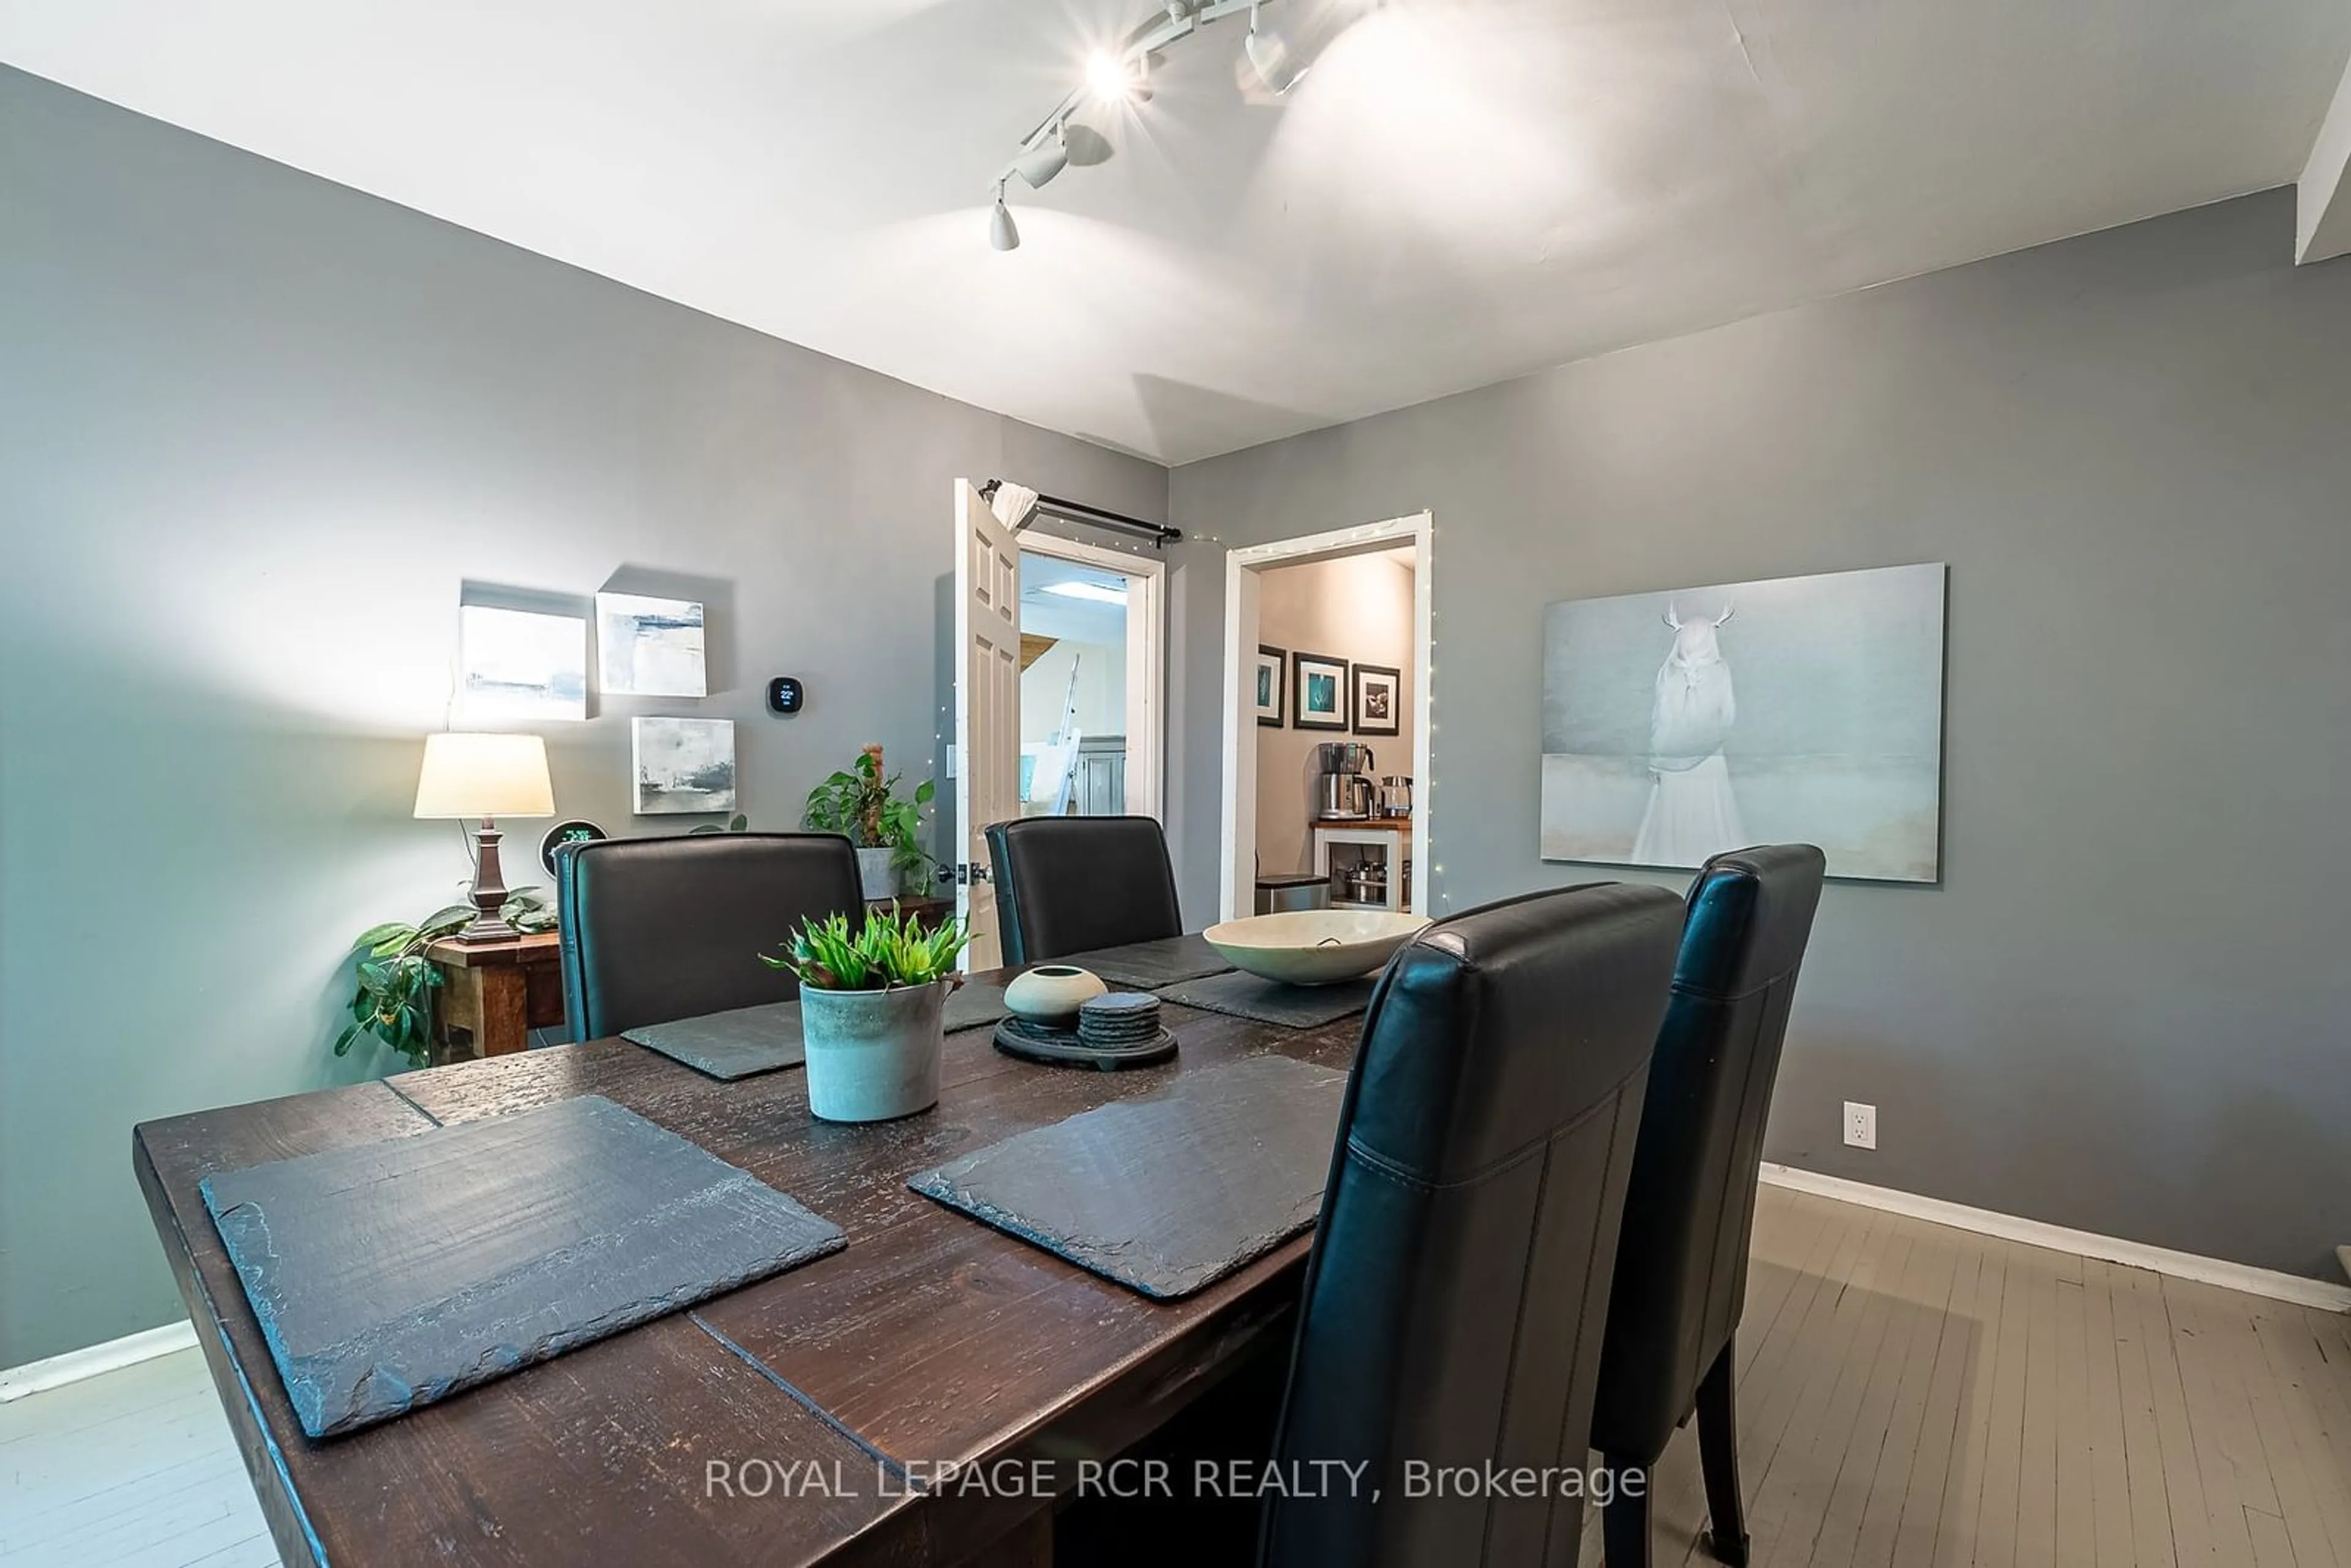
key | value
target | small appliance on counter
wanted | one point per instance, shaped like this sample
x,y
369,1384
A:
x,y
1344,791
1393,798
1285,891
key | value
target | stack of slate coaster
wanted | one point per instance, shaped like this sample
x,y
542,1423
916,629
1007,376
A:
x,y
1120,1020
1120,1030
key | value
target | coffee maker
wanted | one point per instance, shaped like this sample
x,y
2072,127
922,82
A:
x,y
1345,792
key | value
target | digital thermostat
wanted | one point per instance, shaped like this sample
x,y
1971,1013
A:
x,y
784,695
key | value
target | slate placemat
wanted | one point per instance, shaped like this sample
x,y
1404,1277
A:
x,y
728,1045
973,1003
1269,1001
1168,1194
391,1275
1151,964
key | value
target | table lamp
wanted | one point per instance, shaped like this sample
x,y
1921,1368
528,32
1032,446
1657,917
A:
x,y
489,777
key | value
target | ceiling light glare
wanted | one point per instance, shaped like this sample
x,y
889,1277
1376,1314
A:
x,y
1040,163
1002,232
1109,79
1268,53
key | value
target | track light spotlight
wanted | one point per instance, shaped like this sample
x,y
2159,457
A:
x,y
1269,53
1040,163
1109,78
1002,232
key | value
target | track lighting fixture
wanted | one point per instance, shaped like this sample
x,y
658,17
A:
x,y
1002,232
1122,76
1269,51
1040,163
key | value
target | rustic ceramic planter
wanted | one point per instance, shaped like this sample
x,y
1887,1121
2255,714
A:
x,y
876,872
872,1055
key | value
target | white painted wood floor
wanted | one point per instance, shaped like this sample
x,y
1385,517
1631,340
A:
x,y
1907,1395
135,1467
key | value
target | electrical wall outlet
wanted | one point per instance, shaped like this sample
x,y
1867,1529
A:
x,y
1860,1124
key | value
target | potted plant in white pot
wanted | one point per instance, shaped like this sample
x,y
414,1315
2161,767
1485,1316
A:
x,y
870,1020
863,803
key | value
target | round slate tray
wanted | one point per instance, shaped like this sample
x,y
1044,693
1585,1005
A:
x,y
1062,1047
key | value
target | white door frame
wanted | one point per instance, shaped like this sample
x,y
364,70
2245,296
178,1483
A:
x,y
1237,881
1146,661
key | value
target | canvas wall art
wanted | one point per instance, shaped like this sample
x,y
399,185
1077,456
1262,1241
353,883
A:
x,y
1800,709
1318,692
1266,702
683,764
1378,709
650,647
517,667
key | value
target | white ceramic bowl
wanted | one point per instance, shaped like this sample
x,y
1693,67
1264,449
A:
x,y
1312,947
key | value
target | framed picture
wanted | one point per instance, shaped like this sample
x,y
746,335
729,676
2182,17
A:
x,y
1795,709
683,764
516,667
1376,706
1318,692
1267,700
649,647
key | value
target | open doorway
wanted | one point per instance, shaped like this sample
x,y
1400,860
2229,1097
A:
x,y
1326,746
1081,625
1060,696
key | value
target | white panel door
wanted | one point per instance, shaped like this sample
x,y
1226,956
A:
x,y
987,706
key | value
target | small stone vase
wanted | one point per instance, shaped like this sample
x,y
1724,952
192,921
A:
x,y
1052,993
874,1056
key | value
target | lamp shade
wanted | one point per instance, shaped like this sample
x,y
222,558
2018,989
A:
x,y
484,776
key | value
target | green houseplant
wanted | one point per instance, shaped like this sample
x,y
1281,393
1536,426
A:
x,y
863,803
872,1027
393,1002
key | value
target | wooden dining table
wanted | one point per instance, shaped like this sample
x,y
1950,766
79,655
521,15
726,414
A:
x,y
928,1395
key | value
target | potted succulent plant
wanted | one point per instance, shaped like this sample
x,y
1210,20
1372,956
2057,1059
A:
x,y
870,1011
863,803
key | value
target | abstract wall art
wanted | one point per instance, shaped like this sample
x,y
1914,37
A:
x,y
518,667
683,764
650,647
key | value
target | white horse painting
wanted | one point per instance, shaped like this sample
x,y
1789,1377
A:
x,y
1693,809
1831,735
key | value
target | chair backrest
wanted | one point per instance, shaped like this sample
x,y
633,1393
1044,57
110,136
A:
x,y
1471,1216
1072,884
656,929
1681,1268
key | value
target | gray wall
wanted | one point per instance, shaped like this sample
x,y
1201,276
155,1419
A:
x,y
255,429
2123,1007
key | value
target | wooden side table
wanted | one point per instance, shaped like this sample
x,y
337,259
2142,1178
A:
x,y
493,994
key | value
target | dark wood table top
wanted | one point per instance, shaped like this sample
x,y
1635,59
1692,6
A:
x,y
932,1341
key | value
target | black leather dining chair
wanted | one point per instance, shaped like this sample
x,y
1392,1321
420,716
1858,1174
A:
x,y
1471,1211
664,928
1681,1266
1074,884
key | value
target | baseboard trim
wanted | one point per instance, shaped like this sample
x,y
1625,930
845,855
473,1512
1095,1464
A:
x,y
2270,1282
90,1361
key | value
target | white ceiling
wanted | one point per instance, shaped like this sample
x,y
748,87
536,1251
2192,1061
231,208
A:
x,y
1461,191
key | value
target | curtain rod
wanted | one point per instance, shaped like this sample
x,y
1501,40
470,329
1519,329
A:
x,y
1070,511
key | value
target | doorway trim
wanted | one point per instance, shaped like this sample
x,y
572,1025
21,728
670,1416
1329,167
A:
x,y
1146,661
1236,876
